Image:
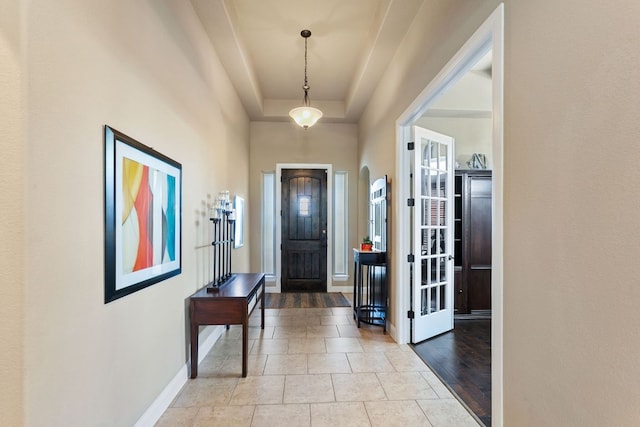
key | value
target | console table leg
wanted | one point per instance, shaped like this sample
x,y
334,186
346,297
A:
x,y
262,307
245,345
194,350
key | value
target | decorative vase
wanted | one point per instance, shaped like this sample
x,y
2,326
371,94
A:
x,y
366,246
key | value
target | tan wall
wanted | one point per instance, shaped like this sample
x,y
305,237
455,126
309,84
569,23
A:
x,y
147,69
572,233
431,36
570,196
472,135
464,112
273,143
12,227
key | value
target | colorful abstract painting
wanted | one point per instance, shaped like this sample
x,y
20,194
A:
x,y
142,216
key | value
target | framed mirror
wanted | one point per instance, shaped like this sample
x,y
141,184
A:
x,y
378,214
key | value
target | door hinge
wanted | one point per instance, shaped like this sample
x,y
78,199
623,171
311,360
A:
x,y
411,202
411,258
410,146
411,314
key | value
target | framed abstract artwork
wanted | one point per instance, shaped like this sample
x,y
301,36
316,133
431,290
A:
x,y
143,216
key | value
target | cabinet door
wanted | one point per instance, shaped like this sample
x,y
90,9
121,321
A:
x,y
460,292
479,244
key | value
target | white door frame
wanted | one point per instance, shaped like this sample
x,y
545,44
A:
x,y
329,169
490,36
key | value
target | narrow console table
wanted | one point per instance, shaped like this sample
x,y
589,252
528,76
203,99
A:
x,y
228,305
370,288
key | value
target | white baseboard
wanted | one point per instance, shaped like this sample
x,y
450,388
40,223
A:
x,y
166,396
391,330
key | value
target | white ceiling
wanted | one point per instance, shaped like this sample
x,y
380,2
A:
x,y
259,44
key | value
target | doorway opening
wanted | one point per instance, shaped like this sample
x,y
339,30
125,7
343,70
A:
x,y
304,230
306,203
488,38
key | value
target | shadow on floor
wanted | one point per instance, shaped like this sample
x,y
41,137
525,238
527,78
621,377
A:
x,y
462,360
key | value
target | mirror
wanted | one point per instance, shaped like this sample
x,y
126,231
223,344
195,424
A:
x,y
378,214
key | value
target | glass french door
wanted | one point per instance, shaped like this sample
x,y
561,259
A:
x,y
432,234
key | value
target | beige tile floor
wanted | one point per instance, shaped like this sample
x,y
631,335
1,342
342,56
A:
x,y
314,367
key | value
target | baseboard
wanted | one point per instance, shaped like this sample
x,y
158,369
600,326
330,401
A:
x,y
391,330
166,396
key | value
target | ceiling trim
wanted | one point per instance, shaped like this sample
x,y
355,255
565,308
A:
x,y
219,19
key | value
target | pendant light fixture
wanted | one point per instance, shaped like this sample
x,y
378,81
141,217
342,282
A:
x,y
305,116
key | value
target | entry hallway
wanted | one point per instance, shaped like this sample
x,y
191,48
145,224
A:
x,y
314,367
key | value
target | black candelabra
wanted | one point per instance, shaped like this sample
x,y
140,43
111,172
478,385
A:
x,y
224,224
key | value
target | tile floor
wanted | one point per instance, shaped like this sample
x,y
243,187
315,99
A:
x,y
314,367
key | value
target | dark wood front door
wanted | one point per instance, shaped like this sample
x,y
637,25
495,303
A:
x,y
304,230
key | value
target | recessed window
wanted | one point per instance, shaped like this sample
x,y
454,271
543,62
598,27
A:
x,y
269,224
304,205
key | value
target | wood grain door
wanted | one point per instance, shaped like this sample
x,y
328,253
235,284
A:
x,y
304,230
478,261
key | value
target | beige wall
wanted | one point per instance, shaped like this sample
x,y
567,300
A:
x,y
472,135
147,69
273,143
464,112
431,36
570,232
12,227
570,211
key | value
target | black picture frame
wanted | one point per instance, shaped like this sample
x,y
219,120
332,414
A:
x,y
142,216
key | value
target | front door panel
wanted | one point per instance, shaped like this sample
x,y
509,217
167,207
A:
x,y
304,230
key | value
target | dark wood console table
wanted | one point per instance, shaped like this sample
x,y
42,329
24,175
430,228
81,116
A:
x,y
227,306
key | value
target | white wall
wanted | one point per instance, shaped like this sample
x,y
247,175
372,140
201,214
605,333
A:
x,y
571,234
146,69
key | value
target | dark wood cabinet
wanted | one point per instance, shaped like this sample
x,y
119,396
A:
x,y
472,241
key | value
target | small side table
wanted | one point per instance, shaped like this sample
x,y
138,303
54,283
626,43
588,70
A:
x,y
370,288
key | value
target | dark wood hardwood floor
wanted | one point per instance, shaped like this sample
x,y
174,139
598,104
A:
x,y
462,359
306,300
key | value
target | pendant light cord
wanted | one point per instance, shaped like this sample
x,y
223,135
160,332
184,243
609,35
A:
x,y
306,82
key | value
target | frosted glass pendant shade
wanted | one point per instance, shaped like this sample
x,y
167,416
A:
x,y
305,116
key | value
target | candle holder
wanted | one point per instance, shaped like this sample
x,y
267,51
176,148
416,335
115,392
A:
x,y
223,219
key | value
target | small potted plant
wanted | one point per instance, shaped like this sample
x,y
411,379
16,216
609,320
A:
x,y
366,244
